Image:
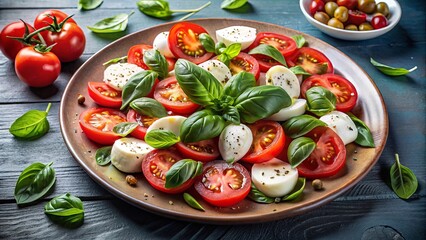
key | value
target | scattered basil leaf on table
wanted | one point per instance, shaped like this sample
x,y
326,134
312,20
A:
x,y
161,139
89,4
201,125
192,202
299,150
117,23
103,155
300,40
229,53
297,190
404,182
391,71
298,70
207,42
115,60
32,125
270,51
258,196
65,210
156,62
125,128
232,4
34,182
182,171
139,85
320,101
148,107
300,125
364,138
161,9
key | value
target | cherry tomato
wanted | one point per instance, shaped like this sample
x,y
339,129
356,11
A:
x,y
286,45
203,151
245,62
356,17
316,6
223,185
155,166
184,43
349,4
171,62
311,60
135,55
328,158
104,95
35,68
10,47
43,19
379,21
344,90
172,97
98,123
268,141
143,121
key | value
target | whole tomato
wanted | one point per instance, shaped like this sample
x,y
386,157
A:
x,y
10,47
379,21
37,67
43,19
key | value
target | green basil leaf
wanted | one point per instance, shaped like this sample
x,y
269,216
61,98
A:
x,y
117,23
65,210
125,128
231,114
298,70
156,62
391,71
300,125
182,171
103,155
258,196
192,202
364,138
404,182
115,60
198,84
32,125
270,51
161,139
224,58
299,150
232,50
207,42
260,102
139,85
155,8
238,84
148,107
219,48
320,101
232,4
201,125
89,4
297,190
34,182
300,40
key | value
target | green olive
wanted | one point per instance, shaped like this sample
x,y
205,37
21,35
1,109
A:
x,y
365,27
330,7
382,8
351,27
367,6
322,17
334,22
341,14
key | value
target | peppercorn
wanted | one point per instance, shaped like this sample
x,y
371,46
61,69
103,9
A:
x,y
81,99
317,184
131,180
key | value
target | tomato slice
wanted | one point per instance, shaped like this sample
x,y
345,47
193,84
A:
x,y
244,62
104,95
155,166
268,141
204,151
135,55
342,88
184,43
97,124
328,157
286,45
223,185
171,62
143,121
169,93
311,60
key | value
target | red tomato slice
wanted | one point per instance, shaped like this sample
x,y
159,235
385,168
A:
x,y
97,124
171,62
135,55
328,157
343,89
268,141
286,45
265,62
184,43
244,62
223,185
169,93
356,17
311,60
204,151
155,166
104,95
143,121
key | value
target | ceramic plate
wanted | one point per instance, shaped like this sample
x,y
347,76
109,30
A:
x,y
370,108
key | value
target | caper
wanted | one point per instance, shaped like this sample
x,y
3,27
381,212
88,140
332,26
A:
x,y
351,27
317,184
367,6
322,17
330,7
341,14
365,27
382,8
335,23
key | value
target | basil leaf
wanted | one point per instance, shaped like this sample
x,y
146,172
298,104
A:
x,y
182,171
232,4
298,70
238,84
300,40
34,182
258,196
155,8
32,125
148,107
103,155
299,150
219,48
300,125
139,85
125,128
260,102
364,138
198,84
115,60
391,71
192,202
89,4
207,42
297,190
229,53
231,114
201,125
161,139
270,51
65,210
320,101
156,62
404,182
117,23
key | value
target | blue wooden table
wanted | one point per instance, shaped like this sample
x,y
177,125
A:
x,y
370,210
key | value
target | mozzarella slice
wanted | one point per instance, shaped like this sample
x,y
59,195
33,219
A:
x,y
284,78
237,34
218,69
117,75
342,124
297,108
274,178
162,45
170,123
234,142
127,154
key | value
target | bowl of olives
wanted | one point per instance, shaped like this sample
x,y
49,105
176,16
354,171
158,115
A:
x,y
352,19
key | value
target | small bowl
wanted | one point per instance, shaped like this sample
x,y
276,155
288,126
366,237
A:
x,y
395,16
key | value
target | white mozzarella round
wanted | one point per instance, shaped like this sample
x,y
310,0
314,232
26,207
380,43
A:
x,y
284,78
274,178
234,142
170,123
342,124
161,44
118,74
218,69
127,154
297,108
236,34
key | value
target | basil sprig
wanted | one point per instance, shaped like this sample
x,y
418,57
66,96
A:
x,y
201,125
270,51
89,4
117,23
404,182
320,101
139,85
232,4
300,40
182,171
300,125
65,210
32,125
299,150
125,128
161,139
259,197
103,155
161,9
148,107
192,202
156,62
207,42
227,54
115,60
391,71
34,182
364,138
